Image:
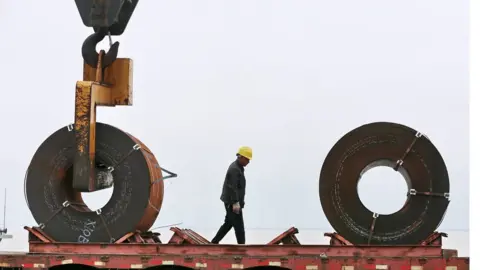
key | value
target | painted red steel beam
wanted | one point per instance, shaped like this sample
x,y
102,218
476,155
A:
x,y
230,262
207,256
246,250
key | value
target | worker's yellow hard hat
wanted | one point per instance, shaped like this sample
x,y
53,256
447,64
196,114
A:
x,y
245,151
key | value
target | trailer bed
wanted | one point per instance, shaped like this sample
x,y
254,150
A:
x,y
209,257
188,249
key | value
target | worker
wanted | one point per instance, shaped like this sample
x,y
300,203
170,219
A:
x,y
233,197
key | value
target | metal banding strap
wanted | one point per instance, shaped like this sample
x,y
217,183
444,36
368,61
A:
x,y
60,209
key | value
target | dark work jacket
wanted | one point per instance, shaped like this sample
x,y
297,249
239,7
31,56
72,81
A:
x,y
234,185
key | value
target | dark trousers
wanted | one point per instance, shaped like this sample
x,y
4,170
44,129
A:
x,y
234,220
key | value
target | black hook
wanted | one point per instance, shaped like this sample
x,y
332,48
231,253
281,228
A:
x,y
89,49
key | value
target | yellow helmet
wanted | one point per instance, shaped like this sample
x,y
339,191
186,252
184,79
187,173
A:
x,y
245,151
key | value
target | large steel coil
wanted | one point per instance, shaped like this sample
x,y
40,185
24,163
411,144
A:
x,y
60,211
405,150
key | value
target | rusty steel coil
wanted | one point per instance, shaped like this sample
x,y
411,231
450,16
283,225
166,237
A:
x,y
403,149
59,209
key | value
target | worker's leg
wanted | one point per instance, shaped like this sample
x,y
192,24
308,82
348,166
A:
x,y
239,227
225,228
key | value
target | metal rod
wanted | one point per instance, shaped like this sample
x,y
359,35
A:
x,y
165,226
5,209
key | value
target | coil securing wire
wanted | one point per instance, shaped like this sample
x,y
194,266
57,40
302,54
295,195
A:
x,y
138,183
405,150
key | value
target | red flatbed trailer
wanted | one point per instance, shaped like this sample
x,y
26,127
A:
x,y
187,249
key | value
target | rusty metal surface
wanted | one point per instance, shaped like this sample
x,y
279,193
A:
x,y
109,87
118,76
137,193
186,236
156,186
337,240
88,96
139,252
36,234
288,238
434,239
243,250
84,164
140,238
383,144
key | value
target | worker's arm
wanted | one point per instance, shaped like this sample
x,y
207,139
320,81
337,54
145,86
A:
x,y
233,183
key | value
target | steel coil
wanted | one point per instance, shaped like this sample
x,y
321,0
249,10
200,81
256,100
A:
x,y
396,146
60,211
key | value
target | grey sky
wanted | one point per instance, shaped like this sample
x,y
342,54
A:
x,y
287,78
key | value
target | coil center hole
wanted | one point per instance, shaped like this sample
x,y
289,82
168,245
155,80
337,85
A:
x,y
382,190
98,199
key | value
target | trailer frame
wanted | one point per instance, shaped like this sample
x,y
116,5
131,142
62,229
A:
x,y
188,249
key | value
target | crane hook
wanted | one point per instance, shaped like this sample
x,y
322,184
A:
x,y
89,51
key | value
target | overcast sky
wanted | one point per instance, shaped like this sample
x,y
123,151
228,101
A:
x,y
287,78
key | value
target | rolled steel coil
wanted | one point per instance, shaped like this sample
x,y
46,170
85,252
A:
x,y
60,211
405,150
